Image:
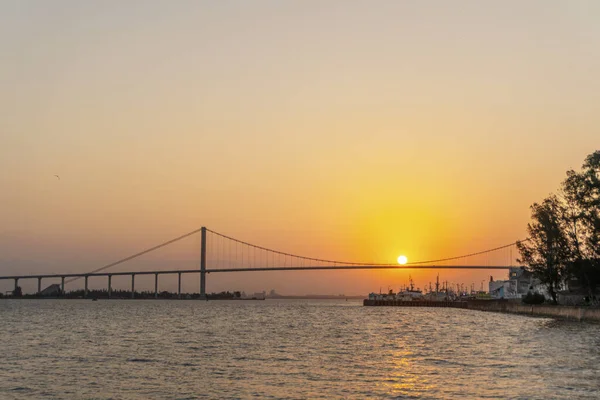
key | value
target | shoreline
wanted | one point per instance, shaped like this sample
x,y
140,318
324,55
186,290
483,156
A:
x,y
316,297
574,313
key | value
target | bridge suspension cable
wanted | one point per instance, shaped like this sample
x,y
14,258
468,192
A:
x,y
469,255
299,258
336,262
141,253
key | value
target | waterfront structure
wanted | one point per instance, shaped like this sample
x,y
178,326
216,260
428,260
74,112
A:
x,y
519,283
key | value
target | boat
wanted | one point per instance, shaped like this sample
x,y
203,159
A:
x,y
410,293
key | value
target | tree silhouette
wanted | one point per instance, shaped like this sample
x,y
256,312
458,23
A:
x,y
547,252
581,196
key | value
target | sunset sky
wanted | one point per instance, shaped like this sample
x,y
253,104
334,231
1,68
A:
x,y
355,130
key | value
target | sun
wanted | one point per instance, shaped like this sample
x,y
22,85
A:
x,y
402,260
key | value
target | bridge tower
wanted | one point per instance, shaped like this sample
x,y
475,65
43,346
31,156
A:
x,y
203,263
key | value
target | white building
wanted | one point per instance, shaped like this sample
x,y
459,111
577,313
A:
x,y
519,283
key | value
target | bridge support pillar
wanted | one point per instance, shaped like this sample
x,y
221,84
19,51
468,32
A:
x,y
203,264
16,284
62,285
133,286
85,291
156,286
109,286
179,285
39,286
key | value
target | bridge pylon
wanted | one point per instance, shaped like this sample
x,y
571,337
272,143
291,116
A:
x,y
203,263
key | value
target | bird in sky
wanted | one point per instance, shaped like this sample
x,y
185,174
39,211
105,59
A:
x,y
57,177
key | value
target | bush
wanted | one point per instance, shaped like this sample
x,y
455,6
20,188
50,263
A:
x,y
534,298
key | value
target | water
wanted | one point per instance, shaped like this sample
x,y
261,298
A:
x,y
288,349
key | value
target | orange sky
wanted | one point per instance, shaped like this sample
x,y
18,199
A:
x,y
336,130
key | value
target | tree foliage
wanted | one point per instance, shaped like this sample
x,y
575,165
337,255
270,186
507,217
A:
x,y
581,196
546,253
565,231
534,298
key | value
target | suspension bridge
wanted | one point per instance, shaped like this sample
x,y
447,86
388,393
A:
x,y
220,253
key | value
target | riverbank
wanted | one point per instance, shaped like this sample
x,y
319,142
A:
x,y
317,297
505,306
540,310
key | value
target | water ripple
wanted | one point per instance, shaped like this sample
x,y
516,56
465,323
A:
x,y
292,349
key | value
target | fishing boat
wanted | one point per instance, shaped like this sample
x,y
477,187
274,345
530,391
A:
x,y
410,293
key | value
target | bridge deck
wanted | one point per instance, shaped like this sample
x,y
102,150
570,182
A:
x,y
257,269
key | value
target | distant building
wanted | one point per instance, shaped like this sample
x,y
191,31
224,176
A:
x,y
497,288
255,296
519,283
52,290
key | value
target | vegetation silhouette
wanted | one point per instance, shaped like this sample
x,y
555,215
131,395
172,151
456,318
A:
x,y
564,234
534,298
126,294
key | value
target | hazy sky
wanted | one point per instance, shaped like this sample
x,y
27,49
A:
x,y
350,129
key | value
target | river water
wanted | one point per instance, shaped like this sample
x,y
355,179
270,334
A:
x,y
288,349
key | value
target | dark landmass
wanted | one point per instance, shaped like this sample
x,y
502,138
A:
x,y
54,292
126,294
165,295
319,297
